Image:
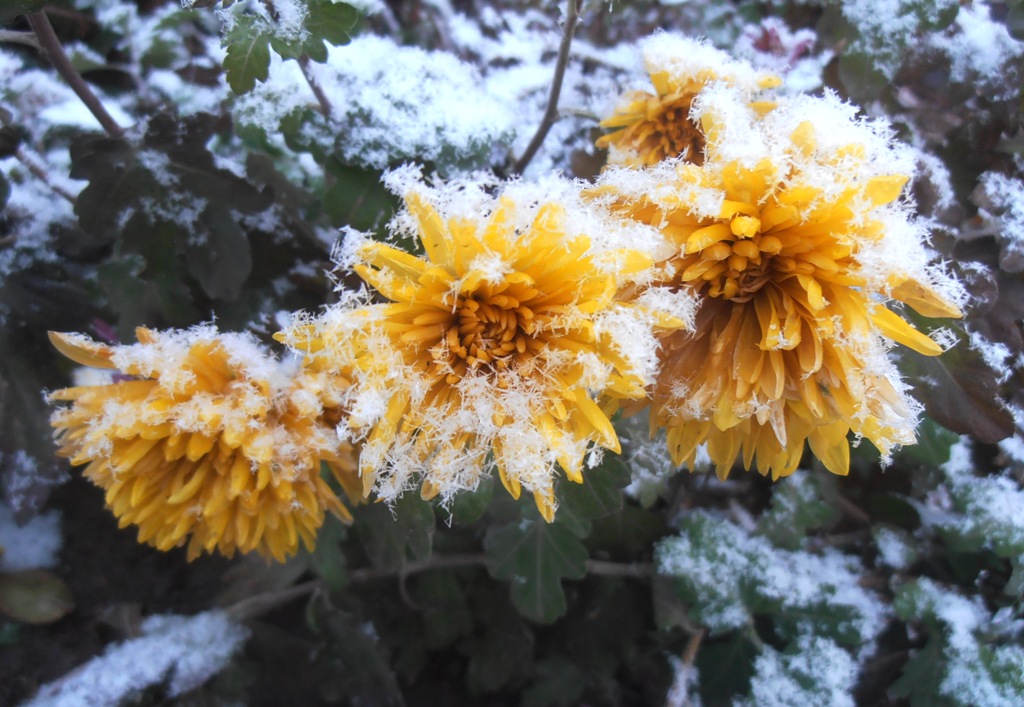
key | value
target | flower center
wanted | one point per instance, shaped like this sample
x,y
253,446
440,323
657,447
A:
x,y
668,131
737,266
489,331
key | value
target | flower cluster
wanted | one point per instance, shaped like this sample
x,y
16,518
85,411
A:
x,y
203,438
650,127
733,267
507,344
792,232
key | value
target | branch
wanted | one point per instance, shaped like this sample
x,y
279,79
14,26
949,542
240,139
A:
x,y
40,173
53,50
325,105
551,113
268,601
26,38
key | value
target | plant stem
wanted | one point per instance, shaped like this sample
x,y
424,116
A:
x,y
53,50
39,173
325,104
321,97
262,603
26,38
572,14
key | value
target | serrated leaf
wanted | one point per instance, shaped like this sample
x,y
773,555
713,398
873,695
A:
x,y
535,557
393,536
248,54
34,596
328,22
922,675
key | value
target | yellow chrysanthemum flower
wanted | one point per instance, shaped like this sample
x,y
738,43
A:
x,y
494,345
793,236
647,128
205,438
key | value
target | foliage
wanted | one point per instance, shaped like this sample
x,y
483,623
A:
x,y
254,134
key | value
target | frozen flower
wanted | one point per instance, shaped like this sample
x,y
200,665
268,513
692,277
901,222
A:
x,y
794,236
650,127
202,435
502,347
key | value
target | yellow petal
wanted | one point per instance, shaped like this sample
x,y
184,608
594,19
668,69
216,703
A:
x,y
884,190
924,300
82,350
892,326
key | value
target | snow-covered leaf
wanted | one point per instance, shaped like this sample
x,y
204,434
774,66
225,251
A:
x,y
248,53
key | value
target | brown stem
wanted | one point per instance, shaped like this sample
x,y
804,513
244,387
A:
x,y
39,173
551,113
53,50
325,105
26,38
262,603
692,646
618,569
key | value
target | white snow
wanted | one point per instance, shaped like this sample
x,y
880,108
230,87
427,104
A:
x,y
979,47
183,650
815,673
32,546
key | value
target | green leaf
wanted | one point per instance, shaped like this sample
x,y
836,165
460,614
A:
x,y
922,675
10,139
163,299
598,496
248,53
895,509
933,445
806,502
13,8
960,391
367,677
327,558
391,536
223,261
5,190
327,22
34,596
501,654
1015,21
670,609
725,668
535,556
469,506
559,683
443,605
357,198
